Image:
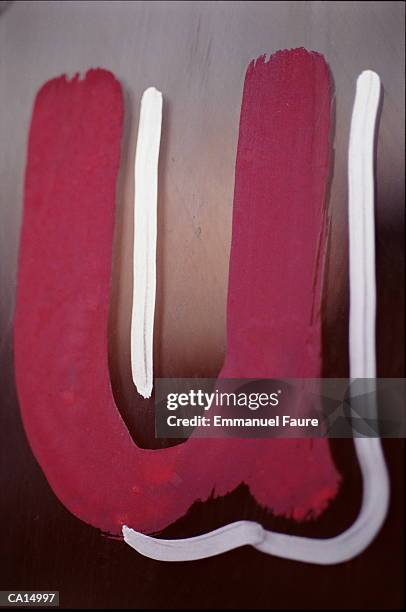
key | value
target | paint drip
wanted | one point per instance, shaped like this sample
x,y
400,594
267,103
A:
x,y
61,357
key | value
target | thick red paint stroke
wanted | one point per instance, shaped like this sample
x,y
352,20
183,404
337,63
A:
x,y
274,301
72,423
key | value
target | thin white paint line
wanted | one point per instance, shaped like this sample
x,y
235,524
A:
x,y
361,227
210,544
375,499
145,235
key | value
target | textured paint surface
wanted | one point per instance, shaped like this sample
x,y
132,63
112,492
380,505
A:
x,y
274,301
73,425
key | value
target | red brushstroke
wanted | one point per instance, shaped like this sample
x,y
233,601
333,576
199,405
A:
x,y
72,423
274,302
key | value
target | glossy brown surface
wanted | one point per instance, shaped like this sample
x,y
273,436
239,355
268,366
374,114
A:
x,y
196,53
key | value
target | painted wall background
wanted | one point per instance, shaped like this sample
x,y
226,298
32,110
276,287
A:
x,y
196,53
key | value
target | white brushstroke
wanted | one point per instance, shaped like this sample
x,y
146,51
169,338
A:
x,y
210,544
145,232
375,497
